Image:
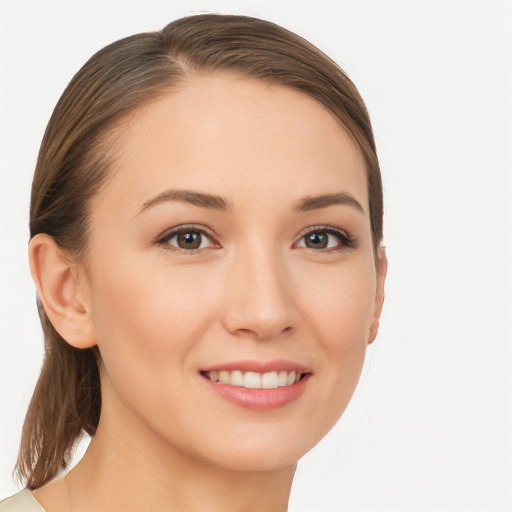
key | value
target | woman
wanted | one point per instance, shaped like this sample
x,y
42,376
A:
x,y
206,228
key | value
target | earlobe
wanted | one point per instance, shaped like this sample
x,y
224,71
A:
x,y
382,268
57,285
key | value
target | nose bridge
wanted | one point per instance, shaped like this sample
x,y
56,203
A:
x,y
261,292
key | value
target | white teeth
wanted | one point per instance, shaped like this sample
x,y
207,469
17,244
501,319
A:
x,y
269,380
282,378
237,378
254,380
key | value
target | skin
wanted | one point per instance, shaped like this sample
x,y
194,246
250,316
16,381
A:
x,y
252,291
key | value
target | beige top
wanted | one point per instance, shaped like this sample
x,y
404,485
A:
x,y
24,501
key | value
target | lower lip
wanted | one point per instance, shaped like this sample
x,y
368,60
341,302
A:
x,y
259,399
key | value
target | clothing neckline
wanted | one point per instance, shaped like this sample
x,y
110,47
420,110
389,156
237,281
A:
x,y
22,500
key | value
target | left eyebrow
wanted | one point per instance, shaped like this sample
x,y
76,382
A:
x,y
188,196
317,202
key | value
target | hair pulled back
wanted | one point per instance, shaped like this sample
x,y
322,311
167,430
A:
x,y
74,160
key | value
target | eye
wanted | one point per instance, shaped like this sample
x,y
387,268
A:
x,y
325,238
186,239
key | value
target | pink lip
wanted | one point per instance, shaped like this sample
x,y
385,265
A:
x,y
259,366
259,399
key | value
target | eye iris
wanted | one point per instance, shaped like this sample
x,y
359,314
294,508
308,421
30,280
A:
x,y
189,240
317,240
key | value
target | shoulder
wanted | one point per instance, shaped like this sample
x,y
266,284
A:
x,y
23,501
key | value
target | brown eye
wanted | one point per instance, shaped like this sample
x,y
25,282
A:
x,y
316,240
187,240
326,239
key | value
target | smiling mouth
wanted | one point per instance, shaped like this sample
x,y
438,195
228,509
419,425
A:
x,y
255,380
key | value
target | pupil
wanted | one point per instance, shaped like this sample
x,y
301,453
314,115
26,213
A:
x,y
317,240
189,240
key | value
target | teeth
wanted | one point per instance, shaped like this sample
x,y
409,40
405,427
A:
x,y
269,380
254,380
237,378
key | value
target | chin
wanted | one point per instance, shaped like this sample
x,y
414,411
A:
x,y
254,460
262,450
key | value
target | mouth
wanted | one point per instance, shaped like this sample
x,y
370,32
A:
x,y
255,380
258,386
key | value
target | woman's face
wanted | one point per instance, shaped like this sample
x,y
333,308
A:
x,y
232,242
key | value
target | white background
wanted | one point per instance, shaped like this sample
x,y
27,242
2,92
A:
x,y
430,427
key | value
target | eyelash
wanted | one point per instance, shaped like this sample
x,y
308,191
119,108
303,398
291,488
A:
x,y
345,241
164,239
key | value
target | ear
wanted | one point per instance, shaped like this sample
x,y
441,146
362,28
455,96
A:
x,y
382,268
60,292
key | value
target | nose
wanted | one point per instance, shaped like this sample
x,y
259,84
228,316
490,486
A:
x,y
261,297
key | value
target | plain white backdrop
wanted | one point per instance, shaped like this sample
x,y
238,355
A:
x,y
430,426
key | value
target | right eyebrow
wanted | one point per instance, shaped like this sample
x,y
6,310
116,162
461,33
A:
x,y
188,196
324,201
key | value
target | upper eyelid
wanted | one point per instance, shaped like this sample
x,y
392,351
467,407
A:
x,y
164,239
205,230
345,239
322,227
169,233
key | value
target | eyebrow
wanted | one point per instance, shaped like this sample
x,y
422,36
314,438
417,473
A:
x,y
214,202
317,202
188,196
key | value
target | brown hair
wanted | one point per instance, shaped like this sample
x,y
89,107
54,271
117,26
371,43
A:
x,y
74,160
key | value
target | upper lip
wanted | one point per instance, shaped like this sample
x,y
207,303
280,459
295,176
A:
x,y
258,366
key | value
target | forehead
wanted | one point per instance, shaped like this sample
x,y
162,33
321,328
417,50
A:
x,y
234,136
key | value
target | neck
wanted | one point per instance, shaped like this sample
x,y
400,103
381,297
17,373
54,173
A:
x,y
133,482
127,469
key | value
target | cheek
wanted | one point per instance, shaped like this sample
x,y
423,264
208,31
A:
x,y
148,320
340,304
341,314
146,317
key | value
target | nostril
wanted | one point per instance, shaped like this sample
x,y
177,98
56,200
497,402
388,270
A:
x,y
264,318
264,334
